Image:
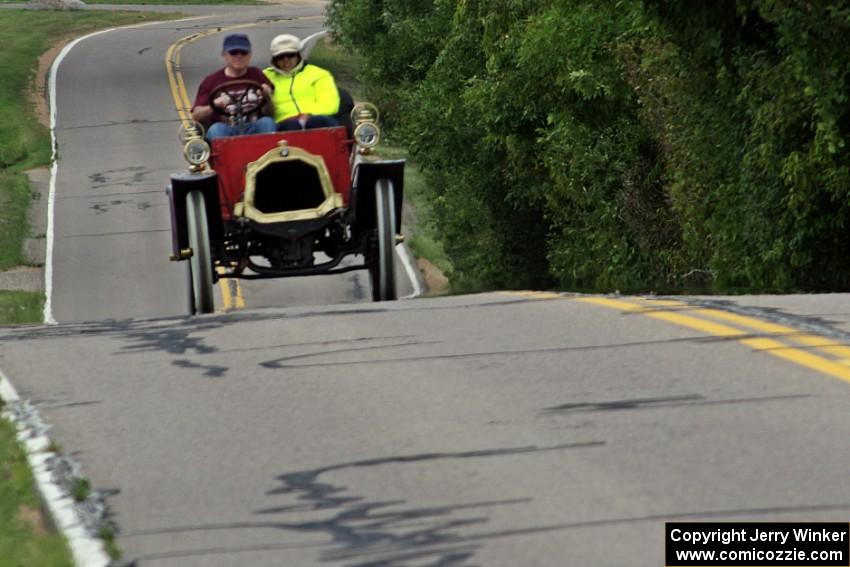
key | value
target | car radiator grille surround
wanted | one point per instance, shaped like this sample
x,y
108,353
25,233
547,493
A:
x,y
288,186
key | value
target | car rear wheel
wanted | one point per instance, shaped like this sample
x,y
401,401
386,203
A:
x,y
201,298
382,263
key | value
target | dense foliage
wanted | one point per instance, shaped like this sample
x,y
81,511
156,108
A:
x,y
629,145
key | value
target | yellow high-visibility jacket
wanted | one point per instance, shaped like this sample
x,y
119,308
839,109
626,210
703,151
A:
x,y
307,90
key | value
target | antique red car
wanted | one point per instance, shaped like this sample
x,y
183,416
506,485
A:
x,y
286,204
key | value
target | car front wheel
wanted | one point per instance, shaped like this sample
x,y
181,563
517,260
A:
x,y
201,298
382,263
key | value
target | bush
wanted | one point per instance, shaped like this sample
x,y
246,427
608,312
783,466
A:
x,y
642,145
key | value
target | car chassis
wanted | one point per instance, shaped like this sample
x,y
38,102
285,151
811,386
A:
x,y
264,205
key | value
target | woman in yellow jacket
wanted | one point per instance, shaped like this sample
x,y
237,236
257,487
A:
x,y
305,96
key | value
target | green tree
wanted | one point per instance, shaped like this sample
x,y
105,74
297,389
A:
x,y
636,145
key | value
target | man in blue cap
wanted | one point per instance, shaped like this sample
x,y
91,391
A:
x,y
235,100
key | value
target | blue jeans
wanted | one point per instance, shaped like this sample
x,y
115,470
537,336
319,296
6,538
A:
x,y
315,121
264,125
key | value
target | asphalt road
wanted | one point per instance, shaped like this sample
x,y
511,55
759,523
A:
x,y
477,430
483,430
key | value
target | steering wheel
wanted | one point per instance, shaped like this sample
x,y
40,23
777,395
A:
x,y
244,97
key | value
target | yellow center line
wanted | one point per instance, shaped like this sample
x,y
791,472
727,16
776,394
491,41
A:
x,y
771,346
669,316
709,327
663,302
534,294
182,104
226,297
240,299
175,77
823,344
801,357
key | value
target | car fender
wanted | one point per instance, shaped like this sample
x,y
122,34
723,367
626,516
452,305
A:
x,y
366,174
181,184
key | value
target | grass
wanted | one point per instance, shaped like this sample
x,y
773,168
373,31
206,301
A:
x,y
23,540
80,490
107,534
425,239
15,198
24,142
20,307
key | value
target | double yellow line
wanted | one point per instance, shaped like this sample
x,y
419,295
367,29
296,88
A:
x,y
733,325
231,298
815,352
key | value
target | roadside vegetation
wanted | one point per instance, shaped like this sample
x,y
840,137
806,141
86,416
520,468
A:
x,y
344,65
24,142
24,538
20,307
642,145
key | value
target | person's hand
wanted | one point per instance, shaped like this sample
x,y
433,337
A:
x,y
267,89
303,120
222,100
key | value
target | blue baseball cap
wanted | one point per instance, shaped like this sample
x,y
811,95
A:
x,y
237,41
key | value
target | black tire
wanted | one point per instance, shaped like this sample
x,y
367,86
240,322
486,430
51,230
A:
x,y
382,263
200,264
191,291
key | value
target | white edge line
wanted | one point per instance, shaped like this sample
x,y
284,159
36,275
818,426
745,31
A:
x,y
54,162
87,551
54,169
409,266
309,41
